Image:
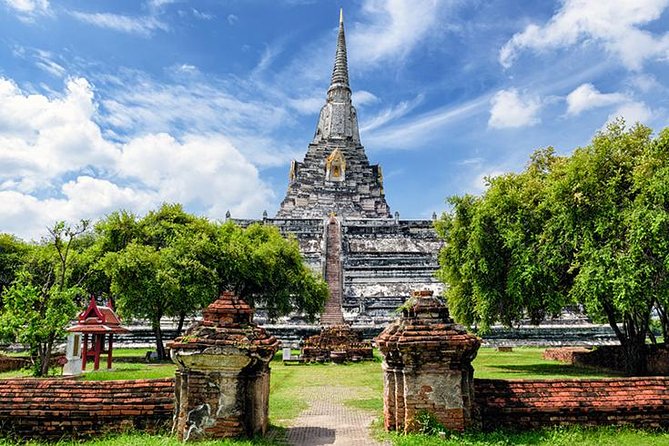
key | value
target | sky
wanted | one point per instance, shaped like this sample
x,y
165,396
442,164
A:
x,y
126,104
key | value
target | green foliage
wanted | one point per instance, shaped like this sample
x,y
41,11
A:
x,y
588,229
427,424
12,254
42,298
171,263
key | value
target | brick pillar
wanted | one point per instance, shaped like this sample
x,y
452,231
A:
x,y
427,359
222,381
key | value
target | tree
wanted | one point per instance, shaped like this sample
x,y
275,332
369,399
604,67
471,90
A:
x,y
267,270
41,300
589,229
498,261
172,264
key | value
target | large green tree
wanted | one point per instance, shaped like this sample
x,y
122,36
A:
x,y
590,228
171,264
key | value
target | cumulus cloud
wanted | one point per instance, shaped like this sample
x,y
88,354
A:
x,y
199,169
56,163
617,25
42,138
509,109
586,97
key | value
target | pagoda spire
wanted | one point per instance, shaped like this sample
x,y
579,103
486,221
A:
x,y
338,120
340,71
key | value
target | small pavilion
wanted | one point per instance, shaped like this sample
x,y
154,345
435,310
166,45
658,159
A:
x,y
98,324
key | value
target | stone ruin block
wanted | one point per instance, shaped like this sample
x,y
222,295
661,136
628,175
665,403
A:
x,y
427,367
336,343
222,381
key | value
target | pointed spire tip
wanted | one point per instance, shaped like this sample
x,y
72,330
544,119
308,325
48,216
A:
x,y
341,15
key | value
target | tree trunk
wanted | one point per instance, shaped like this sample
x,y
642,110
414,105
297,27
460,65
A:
x,y
182,318
45,357
160,348
635,356
632,341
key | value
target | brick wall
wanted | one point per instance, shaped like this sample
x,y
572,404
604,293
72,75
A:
x,y
610,357
520,404
9,363
53,408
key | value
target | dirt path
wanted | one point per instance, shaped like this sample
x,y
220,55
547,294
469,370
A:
x,y
328,421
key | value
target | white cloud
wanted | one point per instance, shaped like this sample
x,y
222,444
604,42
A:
x,y
232,19
201,169
42,138
202,15
28,6
392,29
363,97
390,114
144,26
617,25
509,110
586,97
55,163
409,134
196,105
632,112
646,83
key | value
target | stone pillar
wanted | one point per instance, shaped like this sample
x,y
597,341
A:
x,y
222,381
427,366
73,355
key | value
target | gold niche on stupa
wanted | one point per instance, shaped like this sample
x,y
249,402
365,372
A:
x,y
335,166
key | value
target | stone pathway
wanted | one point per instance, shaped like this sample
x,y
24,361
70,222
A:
x,y
328,421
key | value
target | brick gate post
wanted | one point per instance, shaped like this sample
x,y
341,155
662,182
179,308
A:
x,y
222,381
427,366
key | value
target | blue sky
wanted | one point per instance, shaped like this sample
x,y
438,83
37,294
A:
x,y
128,104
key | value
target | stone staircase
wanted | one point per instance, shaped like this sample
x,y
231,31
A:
x,y
333,275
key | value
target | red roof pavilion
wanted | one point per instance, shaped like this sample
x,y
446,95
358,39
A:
x,y
97,322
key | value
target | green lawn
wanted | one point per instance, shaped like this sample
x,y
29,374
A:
x,y
558,436
527,363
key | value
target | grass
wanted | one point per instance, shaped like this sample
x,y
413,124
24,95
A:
x,y
362,382
558,436
527,363
129,371
142,439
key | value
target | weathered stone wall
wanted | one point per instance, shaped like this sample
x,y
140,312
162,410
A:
x,y
523,404
53,408
384,260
